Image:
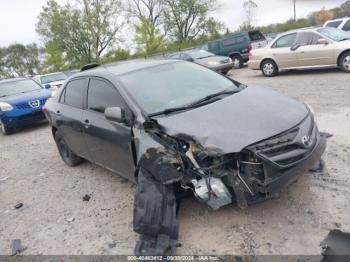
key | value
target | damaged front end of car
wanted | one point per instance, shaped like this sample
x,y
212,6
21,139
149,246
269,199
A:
x,y
217,178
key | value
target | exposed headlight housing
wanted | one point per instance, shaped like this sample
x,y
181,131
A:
x,y
5,107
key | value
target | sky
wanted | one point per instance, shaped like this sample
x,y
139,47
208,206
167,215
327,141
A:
x,y
18,17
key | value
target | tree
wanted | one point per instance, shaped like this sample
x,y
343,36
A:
x,y
184,20
250,9
20,60
148,15
324,15
116,55
103,21
149,38
64,35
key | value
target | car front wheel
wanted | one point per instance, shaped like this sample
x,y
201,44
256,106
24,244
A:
x,y
66,154
345,62
269,68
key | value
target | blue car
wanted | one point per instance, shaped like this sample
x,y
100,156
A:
x,y
21,103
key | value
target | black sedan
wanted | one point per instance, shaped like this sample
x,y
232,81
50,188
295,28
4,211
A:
x,y
177,127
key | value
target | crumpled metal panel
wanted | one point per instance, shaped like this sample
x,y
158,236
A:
x,y
238,120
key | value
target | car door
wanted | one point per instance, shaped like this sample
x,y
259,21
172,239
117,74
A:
x,y
281,51
109,142
312,53
69,114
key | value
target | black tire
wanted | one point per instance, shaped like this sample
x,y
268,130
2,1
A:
x,y
5,130
344,62
66,154
237,61
269,68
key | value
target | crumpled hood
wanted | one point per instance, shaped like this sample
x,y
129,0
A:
x,y
238,120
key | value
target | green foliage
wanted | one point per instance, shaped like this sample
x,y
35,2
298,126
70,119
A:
x,y
62,32
184,20
102,21
20,60
149,38
116,55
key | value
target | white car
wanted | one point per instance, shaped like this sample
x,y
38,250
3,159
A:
x,y
340,23
51,81
303,48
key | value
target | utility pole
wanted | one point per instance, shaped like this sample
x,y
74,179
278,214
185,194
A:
x,y
295,11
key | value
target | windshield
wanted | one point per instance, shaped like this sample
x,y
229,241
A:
x,y
173,85
199,54
17,87
52,78
334,33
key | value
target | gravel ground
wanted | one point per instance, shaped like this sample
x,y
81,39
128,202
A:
x,y
55,220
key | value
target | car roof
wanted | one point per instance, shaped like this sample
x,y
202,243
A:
x,y
120,68
338,19
13,80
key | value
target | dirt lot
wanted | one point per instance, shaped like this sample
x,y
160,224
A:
x,y
55,220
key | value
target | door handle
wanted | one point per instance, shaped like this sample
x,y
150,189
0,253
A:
x,y
87,123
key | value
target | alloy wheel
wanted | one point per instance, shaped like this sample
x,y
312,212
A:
x,y
346,63
268,69
236,63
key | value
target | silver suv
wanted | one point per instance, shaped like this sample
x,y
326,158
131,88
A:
x,y
340,23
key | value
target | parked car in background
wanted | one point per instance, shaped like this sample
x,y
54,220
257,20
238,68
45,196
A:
x,y
51,81
305,48
237,46
21,103
340,23
220,64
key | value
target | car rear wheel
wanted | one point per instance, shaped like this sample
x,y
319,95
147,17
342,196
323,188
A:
x,y
66,154
237,61
5,130
269,68
345,62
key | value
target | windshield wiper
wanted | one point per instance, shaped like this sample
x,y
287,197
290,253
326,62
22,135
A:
x,y
345,38
210,97
206,100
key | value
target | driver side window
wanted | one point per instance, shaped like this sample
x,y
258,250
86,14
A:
x,y
307,38
285,41
102,95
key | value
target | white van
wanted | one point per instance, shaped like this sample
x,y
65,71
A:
x,y
340,23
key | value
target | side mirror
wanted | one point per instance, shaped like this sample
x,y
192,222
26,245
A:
x,y
47,86
190,59
322,41
115,114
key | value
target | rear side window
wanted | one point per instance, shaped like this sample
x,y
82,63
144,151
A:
x,y
256,36
307,38
233,41
334,24
285,41
102,95
346,27
74,92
